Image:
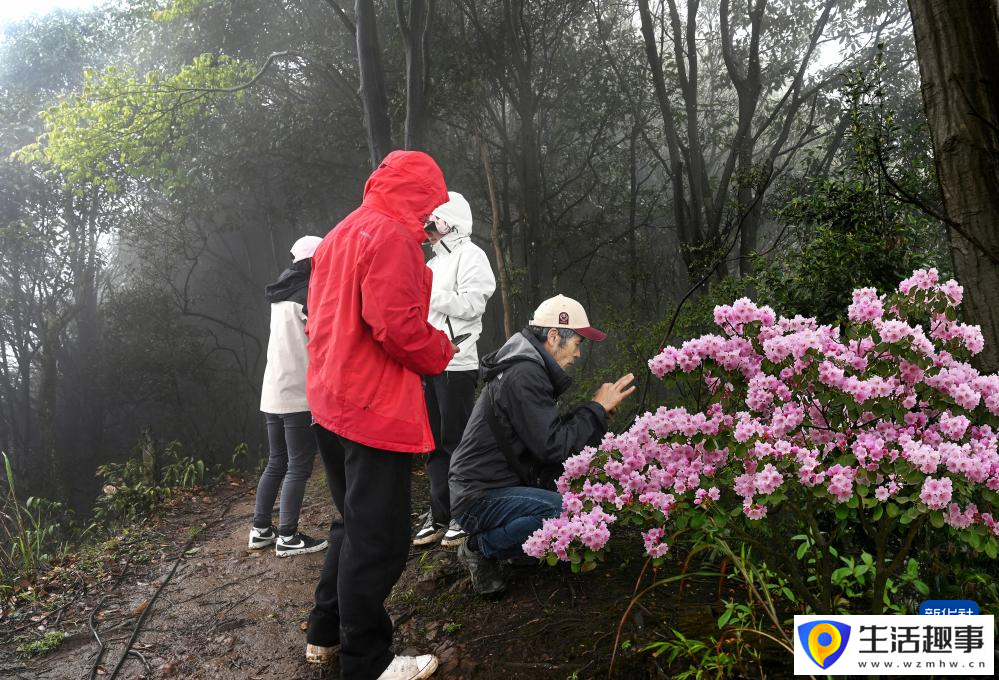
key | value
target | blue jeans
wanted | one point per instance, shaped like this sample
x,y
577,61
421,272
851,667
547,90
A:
x,y
504,518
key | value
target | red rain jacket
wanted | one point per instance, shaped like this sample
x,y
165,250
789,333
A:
x,y
369,340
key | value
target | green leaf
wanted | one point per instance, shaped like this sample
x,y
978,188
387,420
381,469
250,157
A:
x,y
937,519
726,616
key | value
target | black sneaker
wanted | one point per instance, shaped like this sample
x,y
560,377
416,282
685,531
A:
x,y
430,532
262,538
299,544
486,578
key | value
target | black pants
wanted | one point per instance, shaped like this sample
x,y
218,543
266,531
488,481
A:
x,y
367,552
450,398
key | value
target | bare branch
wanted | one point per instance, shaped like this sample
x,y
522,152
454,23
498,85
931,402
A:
x,y
907,197
343,16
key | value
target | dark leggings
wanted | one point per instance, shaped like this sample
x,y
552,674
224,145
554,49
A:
x,y
292,449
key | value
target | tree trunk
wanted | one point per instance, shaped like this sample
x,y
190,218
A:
x,y
416,39
957,45
47,405
539,267
369,62
494,233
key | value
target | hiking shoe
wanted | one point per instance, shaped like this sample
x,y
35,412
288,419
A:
x,y
430,532
410,668
262,538
299,544
454,535
319,655
486,578
522,561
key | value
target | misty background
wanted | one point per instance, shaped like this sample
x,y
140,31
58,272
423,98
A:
x,y
159,157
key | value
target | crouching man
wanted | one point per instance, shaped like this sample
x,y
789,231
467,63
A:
x,y
516,435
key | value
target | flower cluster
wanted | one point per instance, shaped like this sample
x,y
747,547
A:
x,y
884,411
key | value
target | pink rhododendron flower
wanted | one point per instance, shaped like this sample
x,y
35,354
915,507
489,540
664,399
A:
x,y
768,479
936,493
653,542
821,413
867,306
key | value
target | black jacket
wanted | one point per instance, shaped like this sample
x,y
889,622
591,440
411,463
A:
x,y
524,382
292,285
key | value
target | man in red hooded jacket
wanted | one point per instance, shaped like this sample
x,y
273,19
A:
x,y
369,343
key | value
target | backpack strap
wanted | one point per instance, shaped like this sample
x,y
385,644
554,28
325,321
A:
x,y
499,434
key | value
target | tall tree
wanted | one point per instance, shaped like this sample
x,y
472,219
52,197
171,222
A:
x,y
415,25
718,164
369,63
957,44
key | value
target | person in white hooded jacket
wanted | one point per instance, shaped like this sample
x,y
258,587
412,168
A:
x,y
291,440
462,285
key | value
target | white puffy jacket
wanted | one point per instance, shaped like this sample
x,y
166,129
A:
x,y
283,389
463,284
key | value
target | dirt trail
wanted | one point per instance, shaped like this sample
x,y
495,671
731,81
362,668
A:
x,y
227,612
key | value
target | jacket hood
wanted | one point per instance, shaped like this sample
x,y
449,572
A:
x,y
406,186
523,346
456,212
292,285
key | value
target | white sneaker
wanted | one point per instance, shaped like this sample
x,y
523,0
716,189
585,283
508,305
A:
x,y
262,538
298,544
454,535
430,532
410,668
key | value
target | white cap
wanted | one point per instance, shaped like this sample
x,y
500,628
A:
x,y
456,212
304,248
564,312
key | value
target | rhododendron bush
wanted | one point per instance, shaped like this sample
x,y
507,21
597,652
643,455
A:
x,y
870,437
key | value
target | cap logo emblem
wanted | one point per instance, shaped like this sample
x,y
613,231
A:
x,y
563,317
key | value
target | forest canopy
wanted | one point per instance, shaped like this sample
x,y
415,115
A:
x,y
159,157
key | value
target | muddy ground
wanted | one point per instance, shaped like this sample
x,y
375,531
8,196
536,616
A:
x,y
225,612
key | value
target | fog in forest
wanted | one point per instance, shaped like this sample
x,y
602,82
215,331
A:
x,y
159,158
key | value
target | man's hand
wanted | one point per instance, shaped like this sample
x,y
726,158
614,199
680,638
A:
x,y
610,395
454,348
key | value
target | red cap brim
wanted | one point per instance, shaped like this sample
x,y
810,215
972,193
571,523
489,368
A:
x,y
591,333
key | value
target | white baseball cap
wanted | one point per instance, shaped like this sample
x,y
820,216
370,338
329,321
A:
x,y
304,248
564,312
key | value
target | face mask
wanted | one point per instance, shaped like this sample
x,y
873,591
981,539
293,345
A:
x,y
436,223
